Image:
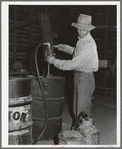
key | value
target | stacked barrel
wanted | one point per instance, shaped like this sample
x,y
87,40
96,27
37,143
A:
x,y
20,113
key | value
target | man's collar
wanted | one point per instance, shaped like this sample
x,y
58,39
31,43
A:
x,y
87,36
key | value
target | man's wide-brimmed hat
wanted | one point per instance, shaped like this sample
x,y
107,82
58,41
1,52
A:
x,y
84,22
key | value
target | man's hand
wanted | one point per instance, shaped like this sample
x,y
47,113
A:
x,y
51,59
59,46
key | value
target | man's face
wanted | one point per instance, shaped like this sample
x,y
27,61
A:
x,y
82,33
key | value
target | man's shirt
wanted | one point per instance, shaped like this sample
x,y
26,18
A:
x,y
85,57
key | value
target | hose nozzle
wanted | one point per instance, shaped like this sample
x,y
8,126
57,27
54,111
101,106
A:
x,y
48,51
47,44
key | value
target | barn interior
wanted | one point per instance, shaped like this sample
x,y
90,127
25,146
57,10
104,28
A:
x,y
31,25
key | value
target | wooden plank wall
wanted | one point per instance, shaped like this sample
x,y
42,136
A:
x,y
23,41
105,37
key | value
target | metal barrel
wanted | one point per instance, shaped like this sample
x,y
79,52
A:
x,y
54,91
20,111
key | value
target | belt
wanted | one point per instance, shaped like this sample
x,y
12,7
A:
x,y
81,72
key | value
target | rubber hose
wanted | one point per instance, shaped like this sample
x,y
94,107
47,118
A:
x,y
43,96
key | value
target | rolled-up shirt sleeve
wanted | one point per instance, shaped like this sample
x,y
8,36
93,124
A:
x,y
78,61
68,49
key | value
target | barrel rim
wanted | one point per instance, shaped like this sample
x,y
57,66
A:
x,y
48,99
47,77
18,129
20,100
19,78
49,119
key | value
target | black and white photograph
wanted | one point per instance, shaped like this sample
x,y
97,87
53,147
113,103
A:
x,y
60,74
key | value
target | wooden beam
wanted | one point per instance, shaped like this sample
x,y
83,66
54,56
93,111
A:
x,y
15,34
31,43
105,52
16,26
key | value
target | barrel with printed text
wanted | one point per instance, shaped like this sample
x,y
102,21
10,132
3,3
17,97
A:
x,y
20,113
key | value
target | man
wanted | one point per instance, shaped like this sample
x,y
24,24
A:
x,y
84,63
